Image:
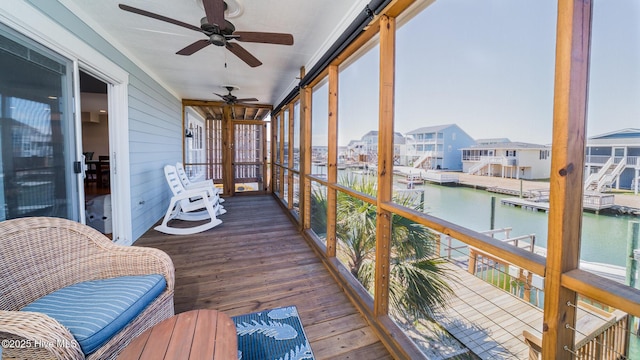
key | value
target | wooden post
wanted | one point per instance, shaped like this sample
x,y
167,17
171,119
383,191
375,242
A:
x,y
633,237
227,152
473,258
281,150
332,160
306,100
492,222
290,156
385,163
274,140
567,168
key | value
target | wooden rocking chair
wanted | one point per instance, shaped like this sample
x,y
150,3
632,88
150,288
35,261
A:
x,y
189,205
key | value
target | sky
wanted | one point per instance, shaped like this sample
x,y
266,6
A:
x,y
488,66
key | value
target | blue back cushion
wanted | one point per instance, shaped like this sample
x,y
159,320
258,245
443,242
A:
x,y
96,310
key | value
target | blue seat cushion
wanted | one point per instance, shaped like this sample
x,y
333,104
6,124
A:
x,y
94,311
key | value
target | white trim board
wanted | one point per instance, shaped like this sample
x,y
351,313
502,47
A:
x,y
24,18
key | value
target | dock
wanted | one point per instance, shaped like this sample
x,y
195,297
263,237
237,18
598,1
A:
x,y
593,202
490,322
526,204
411,180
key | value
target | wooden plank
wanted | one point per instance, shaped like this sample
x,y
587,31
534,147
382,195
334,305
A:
x,y
226,345
161,335
326,349
322,330
185,326
375,351
206,323
385,163
567,169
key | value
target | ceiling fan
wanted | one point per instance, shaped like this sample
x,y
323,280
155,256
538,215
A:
x,y
231,99
219,32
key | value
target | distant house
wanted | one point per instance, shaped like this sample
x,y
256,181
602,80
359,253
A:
x,y
438,147
613,161
366,149
507,159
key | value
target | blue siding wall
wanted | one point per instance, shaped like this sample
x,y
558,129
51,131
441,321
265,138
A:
x,y
155,124
452,158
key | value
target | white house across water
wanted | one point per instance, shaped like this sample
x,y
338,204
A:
x,y
503,158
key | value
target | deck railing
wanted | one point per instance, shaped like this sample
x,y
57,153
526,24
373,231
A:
x,y
607,342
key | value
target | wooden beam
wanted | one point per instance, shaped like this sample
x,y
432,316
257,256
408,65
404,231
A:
x,y
385,163
274,150
306,104
567,168
602,290
332,160
227,152
290,155
281,150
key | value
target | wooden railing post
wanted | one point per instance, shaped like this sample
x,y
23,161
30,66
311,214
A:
x,y
473,258
305,155
385,163
332,160
567,169
290,136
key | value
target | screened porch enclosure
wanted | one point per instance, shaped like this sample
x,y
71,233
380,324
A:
x,y
228,144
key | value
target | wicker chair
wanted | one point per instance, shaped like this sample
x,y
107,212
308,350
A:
x,y
41,255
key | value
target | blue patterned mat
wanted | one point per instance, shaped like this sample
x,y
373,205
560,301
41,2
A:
x,y
272,335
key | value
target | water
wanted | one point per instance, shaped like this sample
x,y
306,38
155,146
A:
x,y
604,237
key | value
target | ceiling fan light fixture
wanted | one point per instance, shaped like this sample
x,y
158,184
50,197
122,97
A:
x,y
217,40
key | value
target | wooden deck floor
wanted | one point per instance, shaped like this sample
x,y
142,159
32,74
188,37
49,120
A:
x,y
256,260
487,320
490,321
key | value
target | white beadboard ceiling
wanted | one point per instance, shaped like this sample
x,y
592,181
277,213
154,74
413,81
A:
x,y
152,44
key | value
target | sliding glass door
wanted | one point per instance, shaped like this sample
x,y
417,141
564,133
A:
x,y
37,131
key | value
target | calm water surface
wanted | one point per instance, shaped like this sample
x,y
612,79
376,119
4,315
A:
x,y
604,237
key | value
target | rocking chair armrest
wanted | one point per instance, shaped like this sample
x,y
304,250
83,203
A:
x,y
200,184
27,334
206,193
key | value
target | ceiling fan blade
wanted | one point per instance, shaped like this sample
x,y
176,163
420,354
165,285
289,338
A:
x,y
263,37
222,96
246,99
215,12
158,17
190,49
243,54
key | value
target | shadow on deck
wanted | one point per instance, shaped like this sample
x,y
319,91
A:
x,y
257,260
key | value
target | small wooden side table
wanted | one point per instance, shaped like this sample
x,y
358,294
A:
x,y
196,334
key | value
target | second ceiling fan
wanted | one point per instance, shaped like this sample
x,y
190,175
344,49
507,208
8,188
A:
x,y
219,32
231,99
